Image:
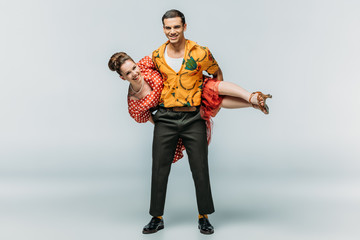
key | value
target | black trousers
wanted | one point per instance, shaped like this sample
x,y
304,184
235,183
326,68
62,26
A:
x,y
169,127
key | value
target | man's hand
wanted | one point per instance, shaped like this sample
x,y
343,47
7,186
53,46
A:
x,y
218,75
151,120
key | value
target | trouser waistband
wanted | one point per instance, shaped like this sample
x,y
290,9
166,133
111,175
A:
x,y
181,109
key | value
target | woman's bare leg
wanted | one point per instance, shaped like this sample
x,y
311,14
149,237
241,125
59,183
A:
x,y
234,102
234,90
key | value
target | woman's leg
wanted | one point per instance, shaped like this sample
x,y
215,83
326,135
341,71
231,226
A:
x,y
234,102
234,90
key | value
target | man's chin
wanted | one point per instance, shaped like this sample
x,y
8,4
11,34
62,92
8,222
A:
x,y
173,40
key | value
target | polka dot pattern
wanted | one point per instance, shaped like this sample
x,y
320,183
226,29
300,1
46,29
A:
x,y
139,110
179,151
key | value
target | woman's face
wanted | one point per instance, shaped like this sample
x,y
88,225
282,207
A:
x,y
130,72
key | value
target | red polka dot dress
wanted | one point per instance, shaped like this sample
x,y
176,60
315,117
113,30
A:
x,y
140,109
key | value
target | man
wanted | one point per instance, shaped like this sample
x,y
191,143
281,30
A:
x,y
181,63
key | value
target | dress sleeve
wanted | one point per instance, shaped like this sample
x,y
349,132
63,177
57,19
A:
x,y
146,63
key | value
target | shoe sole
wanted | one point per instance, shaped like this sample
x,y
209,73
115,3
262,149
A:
x,y
153,231
206,232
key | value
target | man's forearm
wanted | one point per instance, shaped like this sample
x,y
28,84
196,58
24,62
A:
x,y
218,75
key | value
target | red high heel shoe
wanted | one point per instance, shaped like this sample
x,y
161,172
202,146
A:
x,y
261,98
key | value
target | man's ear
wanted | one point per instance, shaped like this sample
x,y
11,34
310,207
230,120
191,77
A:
x,y
185,27
121,77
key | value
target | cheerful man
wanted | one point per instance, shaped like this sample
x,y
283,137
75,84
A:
x,y
181,63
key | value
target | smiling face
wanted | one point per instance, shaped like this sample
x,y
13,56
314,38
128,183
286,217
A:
x,y
174,30
130,72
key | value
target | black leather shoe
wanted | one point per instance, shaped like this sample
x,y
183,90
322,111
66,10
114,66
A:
x,y
153,226
205,226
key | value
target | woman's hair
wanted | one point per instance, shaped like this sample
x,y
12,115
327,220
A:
x,y
117,60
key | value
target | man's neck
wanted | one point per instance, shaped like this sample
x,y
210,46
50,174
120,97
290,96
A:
x,y
176,50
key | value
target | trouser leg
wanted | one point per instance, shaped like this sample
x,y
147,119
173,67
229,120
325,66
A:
x,y
164,145
195,141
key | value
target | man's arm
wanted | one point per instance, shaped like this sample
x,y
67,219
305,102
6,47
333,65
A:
x,y
218,75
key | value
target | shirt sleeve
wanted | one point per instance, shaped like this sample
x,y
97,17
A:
x,y
210,65
154,56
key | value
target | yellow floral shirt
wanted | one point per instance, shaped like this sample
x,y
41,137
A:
x,y
184,88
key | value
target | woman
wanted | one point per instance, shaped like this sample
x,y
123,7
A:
x,y
146,85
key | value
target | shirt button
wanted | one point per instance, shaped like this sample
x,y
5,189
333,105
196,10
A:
x,y
177,74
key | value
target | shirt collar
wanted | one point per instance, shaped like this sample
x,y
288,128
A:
x,y
188,46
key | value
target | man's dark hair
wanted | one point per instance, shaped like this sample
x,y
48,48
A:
x,y
173,13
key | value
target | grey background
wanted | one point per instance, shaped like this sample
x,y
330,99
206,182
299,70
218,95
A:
x,y
74,165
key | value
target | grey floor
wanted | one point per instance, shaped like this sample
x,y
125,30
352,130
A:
x,y
114,206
